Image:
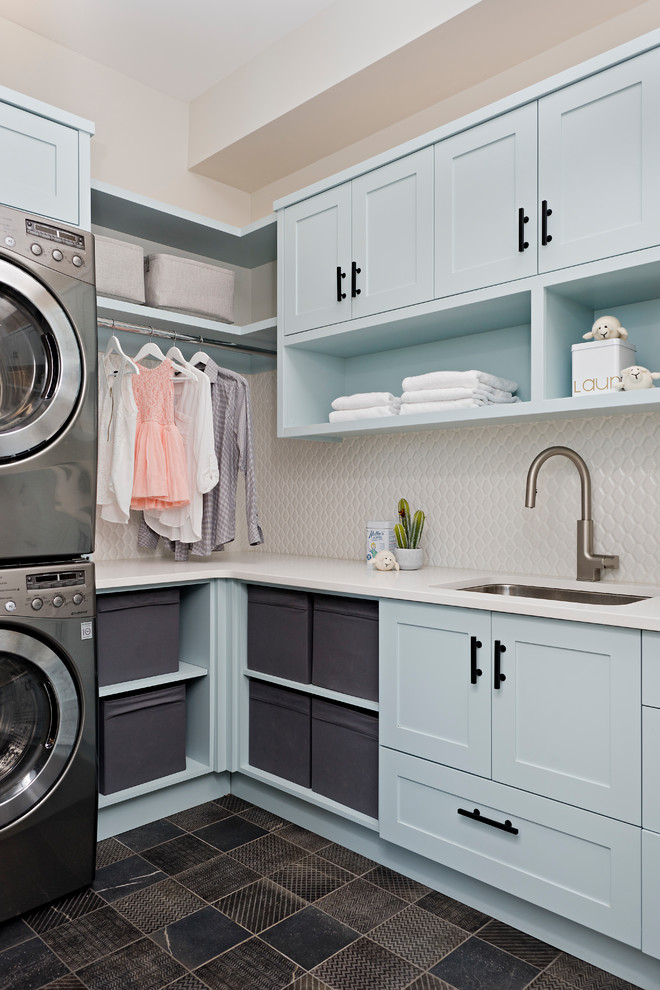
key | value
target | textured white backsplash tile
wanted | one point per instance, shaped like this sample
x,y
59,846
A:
x,y
315,497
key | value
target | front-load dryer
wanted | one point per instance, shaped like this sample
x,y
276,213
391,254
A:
x,y
48,795
48,359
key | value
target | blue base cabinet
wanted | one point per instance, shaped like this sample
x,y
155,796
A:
x,y
510,750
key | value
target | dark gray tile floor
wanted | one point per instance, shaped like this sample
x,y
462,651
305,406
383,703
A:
x,y
227,896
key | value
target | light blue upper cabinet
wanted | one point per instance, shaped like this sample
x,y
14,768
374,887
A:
x,y
361,248
39,163
317,252
599,161
485,203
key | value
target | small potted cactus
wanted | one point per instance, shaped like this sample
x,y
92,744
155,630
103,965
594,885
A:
x,y
408,533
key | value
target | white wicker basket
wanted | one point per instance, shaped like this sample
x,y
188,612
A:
x,y
187,286
119,269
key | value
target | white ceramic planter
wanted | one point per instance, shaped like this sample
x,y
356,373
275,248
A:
x,y
409,560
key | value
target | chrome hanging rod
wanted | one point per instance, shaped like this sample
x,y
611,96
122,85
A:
x,y
187,338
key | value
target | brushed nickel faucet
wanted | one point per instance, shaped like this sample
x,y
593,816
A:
x,y
589,565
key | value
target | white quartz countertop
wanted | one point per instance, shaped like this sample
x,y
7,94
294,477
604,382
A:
x,y
435,585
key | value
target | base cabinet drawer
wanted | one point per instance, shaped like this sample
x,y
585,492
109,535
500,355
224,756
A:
x,y
578,864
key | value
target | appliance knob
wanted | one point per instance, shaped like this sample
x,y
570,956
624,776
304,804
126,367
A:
x,y
57,255
58,601
10,241
37,603
77,261
78,598
36,249
10,606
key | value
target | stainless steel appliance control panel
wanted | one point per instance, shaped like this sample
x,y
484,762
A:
x,y
64,591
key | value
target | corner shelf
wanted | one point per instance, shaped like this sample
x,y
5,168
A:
x,y
186,672
312,689
193,769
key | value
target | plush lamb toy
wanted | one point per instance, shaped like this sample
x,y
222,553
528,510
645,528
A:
x,y
386,561
635,377
605,328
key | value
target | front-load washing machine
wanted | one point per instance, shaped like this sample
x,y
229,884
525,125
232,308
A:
x,y
48,359
48,795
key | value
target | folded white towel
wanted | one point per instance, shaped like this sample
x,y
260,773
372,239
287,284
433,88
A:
x,y
457,379
366,413
411,408
364,400
444,394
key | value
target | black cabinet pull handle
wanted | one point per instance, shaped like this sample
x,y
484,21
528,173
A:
x,y
475,672
340,275
522,220
355,271
498,677
545,213
476,816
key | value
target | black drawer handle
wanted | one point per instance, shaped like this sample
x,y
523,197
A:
x,y
355,271
476,816
545,213
498,676
340,275
475,672
522,220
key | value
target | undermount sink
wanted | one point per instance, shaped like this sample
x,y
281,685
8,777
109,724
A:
x,y
555,594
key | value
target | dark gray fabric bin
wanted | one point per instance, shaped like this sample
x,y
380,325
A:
x,y
142,736
345,651
280,732
280,633
345,755
137,634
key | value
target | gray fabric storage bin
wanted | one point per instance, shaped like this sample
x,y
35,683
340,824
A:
x,y
137,634
345,650
280,633
345,755
142,736
119,269
280,732
188,286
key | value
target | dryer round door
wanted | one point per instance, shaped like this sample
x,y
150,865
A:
x,y
41,365
40,719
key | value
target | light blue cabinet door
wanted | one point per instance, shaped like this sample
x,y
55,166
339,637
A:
x,y
317,242
38,164
484,178
433,701
599,161
651,893
566,721
393,235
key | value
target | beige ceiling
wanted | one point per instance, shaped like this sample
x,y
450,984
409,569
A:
x,y
275,85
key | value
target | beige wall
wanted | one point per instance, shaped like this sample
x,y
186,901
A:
x,y
141,135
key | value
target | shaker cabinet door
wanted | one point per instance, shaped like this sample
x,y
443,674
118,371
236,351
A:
x,y
566,720
435,684
599,161
393,235
39,164
317,243
485,203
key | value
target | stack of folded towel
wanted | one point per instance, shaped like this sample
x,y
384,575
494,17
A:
x,y
364,405
440,391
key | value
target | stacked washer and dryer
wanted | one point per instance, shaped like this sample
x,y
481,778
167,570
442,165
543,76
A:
x,y
48,796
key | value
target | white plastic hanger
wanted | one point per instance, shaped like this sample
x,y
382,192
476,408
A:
x,y
200,358
181,365
150,349
114,345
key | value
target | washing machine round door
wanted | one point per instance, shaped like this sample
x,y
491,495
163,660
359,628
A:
x,y
41,365
40,719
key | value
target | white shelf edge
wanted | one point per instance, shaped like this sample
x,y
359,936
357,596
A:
x,y
313,689
163,319
307,794
193,769
186,672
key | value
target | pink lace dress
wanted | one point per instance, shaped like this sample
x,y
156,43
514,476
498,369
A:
x,y
161,474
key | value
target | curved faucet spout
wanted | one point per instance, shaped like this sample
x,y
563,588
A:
x,y
583,471
589,564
